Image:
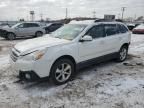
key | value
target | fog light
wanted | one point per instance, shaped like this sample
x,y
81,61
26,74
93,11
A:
x,y
27,76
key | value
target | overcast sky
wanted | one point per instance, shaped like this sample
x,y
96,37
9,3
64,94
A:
x,y
55,9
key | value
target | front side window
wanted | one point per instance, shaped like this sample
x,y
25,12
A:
x,y
18,25
27,25
96,31
24,25
111,29
69,31
21,26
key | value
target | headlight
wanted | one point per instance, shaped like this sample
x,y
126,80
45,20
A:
x,y
36,55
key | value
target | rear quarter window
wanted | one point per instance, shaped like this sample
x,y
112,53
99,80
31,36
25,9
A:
x,y
122,28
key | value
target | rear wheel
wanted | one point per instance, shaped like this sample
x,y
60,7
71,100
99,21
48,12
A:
x,y
38,34
62,71
123,53
11,36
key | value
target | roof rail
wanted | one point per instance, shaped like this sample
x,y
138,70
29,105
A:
x,y
108,20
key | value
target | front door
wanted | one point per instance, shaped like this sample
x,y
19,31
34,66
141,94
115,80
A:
x,y
21,30
94,48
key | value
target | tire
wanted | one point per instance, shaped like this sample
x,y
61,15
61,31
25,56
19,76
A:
x,y
62,71
38,34
122,55
11,36
47,31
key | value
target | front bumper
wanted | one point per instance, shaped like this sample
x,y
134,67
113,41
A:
x,y
35,69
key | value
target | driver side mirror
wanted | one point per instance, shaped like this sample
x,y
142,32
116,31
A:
x,y
86,38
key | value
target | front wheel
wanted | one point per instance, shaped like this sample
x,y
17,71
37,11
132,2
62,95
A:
x,y
10,36
122,54
62,71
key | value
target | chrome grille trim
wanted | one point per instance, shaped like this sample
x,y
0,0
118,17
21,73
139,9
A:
x,y
14,55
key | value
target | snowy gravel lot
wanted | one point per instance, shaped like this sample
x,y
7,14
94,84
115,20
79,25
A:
x,y
106,85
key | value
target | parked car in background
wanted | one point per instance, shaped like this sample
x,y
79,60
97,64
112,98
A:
x,y
131,26
24,29
81,43
139,29
4,25
52,27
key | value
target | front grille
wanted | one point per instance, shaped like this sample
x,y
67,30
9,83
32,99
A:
x,y
14,56
3,33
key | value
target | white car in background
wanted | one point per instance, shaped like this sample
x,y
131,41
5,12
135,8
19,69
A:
x,y
24,29
69,48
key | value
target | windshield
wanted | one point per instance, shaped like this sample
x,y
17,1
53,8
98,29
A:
x,y
69,31
14,26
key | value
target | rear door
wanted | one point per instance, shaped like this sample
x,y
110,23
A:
x,y
32,28
112,38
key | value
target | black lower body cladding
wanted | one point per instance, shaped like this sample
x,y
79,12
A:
x,y
28,76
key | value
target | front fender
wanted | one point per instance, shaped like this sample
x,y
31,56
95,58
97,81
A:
x,y
54,53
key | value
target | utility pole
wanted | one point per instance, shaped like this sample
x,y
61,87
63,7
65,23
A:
x,y
123,9
41,16
66,13
94,14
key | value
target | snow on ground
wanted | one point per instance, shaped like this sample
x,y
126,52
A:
x,y
4,60
105,85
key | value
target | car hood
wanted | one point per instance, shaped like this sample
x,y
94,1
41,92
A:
x,y
38,43
6,28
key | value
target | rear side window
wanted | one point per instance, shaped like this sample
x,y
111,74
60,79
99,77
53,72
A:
x,y
122,28
111,29
96,31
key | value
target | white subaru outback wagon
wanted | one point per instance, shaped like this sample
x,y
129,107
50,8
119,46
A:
x,y
77,44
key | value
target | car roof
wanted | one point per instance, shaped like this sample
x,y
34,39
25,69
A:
x,y
87,22
90,22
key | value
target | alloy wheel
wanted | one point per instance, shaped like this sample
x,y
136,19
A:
x,y
123,54
63,72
